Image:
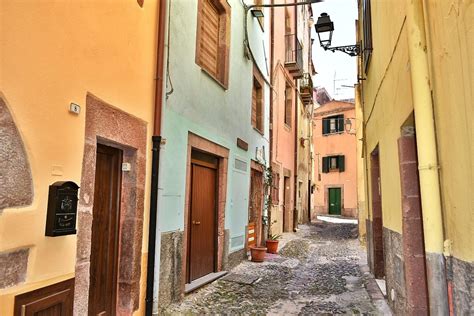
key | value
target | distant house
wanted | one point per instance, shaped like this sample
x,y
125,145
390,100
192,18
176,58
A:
x,y
335,160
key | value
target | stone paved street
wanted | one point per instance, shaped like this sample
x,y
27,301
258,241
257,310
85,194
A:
x,y
319,270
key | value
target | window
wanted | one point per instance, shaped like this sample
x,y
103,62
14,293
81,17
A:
x,y
260,19
288,103
276,188
257,102
333,163
333,124
213,39
367,27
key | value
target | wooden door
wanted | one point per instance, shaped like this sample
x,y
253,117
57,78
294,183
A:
x,y
377,220
202,224
53,300
335,201
256,203
286,204
105,229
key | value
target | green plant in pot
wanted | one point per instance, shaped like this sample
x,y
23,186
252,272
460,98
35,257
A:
x,y
272,243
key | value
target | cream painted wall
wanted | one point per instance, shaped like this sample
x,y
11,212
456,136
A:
x,y
54,53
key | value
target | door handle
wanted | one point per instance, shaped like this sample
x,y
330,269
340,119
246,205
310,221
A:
x,y
196,223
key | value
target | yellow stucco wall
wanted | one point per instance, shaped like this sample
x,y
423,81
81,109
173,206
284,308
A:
x,y
387,102
450,32
53,53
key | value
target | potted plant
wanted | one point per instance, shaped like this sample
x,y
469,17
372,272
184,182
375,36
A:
x,y
257,253
272,243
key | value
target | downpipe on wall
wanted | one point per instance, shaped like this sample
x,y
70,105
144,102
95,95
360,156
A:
x,y
427,160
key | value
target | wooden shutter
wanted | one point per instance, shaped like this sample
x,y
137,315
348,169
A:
x,y
259,106
288,105
326,122
367,27
341,163
254,104
326,164
340,123
276,188
209,37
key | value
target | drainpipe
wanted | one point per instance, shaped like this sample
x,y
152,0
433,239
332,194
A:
x,y
427,159
155,168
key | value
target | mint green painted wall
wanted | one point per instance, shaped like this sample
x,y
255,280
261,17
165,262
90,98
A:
x,y
201,106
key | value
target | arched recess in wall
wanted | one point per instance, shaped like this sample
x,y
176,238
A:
x,y
16,184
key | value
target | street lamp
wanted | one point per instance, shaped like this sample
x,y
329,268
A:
x,y
324,27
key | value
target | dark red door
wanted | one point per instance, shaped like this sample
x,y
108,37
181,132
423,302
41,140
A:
x,y
104,243
202,225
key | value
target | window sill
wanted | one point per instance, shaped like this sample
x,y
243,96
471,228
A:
x,y
335,133
219,82
258,131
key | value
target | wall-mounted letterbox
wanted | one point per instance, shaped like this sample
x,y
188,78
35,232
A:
x,y
62,209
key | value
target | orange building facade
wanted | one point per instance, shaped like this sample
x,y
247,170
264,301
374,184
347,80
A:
x,y
335,159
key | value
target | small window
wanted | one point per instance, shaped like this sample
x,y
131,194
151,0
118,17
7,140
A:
x,y
288,104
333,124
213,39
334,164
367,28
260,19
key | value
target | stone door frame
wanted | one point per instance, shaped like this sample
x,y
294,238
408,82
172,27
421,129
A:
x,y
110,126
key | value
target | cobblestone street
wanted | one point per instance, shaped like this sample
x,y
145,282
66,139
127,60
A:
x,y
321,269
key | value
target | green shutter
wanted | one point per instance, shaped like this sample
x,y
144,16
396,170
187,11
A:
x,y
325,164
325,126
340,123
341,164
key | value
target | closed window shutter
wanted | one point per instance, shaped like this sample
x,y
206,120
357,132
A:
x,y
326,123
288,105
325,164
341,163
210,37
254,105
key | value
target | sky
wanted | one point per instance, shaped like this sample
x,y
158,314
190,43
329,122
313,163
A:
x,y
336,70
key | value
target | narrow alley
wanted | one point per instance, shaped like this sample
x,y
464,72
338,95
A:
x,y
321,269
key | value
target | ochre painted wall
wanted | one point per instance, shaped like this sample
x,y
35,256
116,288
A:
x,y
387,103
54,53
337,144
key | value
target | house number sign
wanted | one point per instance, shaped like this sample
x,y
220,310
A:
x,y
62,209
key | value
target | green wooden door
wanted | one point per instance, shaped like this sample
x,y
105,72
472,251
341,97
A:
x,y
335,201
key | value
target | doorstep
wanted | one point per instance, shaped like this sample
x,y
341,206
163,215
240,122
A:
x,y
189,287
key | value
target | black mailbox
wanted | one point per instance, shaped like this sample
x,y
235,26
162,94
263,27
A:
x,y
62,209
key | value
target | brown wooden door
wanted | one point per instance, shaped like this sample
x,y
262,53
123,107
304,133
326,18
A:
x,y
105,229
202,224
256,203
286,204
53,300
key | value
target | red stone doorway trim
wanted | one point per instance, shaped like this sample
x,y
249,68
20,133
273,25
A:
x,y
198,143
112,127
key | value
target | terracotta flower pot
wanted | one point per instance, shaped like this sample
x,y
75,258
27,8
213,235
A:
x,y
258,253
272,246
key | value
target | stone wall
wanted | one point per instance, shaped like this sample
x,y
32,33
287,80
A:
x,y
13,267
394,270
171,268
462,275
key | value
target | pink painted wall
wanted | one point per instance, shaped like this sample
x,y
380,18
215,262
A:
x,y
283,146
331,145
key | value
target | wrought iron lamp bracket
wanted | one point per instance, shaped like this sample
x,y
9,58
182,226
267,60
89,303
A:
x,y
351,50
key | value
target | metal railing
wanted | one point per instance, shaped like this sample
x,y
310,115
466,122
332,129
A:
x,y
293,51
306,82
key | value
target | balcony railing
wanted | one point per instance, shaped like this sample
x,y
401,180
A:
x,y
293,55
306,89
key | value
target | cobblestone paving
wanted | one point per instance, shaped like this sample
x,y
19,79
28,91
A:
x,y
316,273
